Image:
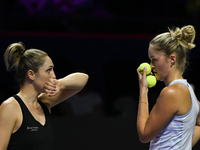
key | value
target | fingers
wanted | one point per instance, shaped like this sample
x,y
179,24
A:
x,y
138,71
142,78
49,87
52,87
52,93
144,71
51,83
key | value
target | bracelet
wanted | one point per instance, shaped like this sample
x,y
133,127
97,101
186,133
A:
x,y
144,103
143,97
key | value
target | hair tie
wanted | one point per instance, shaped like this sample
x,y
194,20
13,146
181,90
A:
x,y
23,51
172,38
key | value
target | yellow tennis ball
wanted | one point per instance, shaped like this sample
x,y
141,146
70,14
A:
x,y
141,68
151,80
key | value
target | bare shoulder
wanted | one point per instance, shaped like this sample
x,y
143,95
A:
x,y
174,95
10,102
9,106
9,116
167,93
174,91
166,101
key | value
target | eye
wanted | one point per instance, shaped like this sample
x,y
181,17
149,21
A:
x,y
49,70
153,60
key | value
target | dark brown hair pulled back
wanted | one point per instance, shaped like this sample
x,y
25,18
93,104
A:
x,y
20,60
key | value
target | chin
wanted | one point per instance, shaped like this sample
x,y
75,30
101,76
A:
x,y
158,78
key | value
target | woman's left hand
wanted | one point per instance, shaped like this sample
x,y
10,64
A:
x,y
52,87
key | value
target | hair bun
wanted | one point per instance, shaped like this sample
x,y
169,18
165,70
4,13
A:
x,y
13,54
184,36
177,34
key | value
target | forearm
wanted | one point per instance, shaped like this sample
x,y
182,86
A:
x,y
74,81
143,114
65,88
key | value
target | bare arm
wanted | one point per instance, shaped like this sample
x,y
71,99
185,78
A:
x,y
143,108
68,86
8,119
150,124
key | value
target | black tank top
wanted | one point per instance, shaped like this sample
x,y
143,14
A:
x,y
32,135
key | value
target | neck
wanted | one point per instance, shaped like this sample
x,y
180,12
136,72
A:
x,y
173,76
28,94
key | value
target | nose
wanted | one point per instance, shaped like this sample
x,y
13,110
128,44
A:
x,y
152,66
53,75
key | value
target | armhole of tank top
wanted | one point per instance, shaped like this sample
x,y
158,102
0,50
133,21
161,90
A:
x,y
18,99
188,87
44,107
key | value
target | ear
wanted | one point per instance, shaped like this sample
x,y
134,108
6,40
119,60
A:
x,y
172,59
31,74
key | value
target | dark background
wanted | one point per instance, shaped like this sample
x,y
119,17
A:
x,y
108,40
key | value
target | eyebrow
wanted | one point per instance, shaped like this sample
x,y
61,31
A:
x,y
50,66
151,56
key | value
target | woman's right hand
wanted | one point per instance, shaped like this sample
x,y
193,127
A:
x,y
142,79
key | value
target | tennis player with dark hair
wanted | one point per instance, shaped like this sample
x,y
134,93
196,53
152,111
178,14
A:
x,y
25,120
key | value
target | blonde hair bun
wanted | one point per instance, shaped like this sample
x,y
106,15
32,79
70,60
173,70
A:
x,y
184,36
